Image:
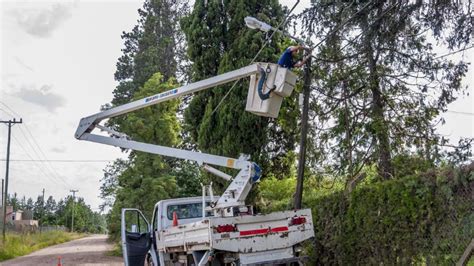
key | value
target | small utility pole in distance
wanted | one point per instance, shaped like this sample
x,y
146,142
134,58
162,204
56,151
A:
x,y
304,135
10,123
3,196
42,214
73,200
3,189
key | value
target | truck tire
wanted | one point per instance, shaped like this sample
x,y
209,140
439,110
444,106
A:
x,y
149,260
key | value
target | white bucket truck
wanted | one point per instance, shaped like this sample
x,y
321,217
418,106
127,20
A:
x,y
210,230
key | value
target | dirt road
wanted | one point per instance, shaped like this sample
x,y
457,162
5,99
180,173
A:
x,y
85,251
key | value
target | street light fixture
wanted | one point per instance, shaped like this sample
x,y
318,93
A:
x,y
256,24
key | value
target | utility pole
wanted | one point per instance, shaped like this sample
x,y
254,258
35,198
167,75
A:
x,y
73,200
3,188
42,213
304,134
9,123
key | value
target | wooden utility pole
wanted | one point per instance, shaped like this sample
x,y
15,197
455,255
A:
x,y
73,200
3,189
304,134
9,123
42,214
3,196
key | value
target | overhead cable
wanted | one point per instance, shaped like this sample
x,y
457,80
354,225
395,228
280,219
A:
x,y
256,55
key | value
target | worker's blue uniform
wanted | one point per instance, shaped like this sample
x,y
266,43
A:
x,y
286,59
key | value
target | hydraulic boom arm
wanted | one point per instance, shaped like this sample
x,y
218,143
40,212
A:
x,y
87,124
240,186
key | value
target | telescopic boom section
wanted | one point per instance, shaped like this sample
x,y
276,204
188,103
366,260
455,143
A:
x,y
87,124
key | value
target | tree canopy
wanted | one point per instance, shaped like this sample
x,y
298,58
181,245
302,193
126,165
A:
x,y
380,83
52,213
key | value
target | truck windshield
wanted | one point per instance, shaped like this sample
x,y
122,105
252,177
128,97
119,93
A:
x,y
186,211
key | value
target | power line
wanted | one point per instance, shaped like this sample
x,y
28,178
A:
x,y
8,113
342,24
455,52
256,55
38,165
9,109
37,148
44,156
458,112
268,40
360,34
52,172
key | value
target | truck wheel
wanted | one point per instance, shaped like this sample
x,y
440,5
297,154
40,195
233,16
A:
x,y
190,259
149,260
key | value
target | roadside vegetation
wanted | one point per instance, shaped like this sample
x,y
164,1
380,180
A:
x,y
22,244
117,250
50,213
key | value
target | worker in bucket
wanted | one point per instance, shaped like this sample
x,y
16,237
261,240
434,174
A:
x,y
287,58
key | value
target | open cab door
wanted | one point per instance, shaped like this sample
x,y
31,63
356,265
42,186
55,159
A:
x,y
136,237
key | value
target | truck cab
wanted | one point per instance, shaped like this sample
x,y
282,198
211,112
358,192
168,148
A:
x,y
139,237
188,210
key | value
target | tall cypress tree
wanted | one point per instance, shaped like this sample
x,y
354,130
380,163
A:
x,y
218,42
150,47
148,66
147,178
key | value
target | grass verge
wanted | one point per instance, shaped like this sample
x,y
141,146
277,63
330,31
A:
x,y
22,244
116,251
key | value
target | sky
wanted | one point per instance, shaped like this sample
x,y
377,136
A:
x,y
57,66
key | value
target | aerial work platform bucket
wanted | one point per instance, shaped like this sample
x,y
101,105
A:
x,y
268,88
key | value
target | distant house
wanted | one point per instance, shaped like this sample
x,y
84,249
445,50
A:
x,y
17,216
9,213
17,219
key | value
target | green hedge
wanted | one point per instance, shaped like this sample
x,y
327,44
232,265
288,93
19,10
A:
x,y
426,218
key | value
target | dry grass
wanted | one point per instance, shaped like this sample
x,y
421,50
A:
x,y
22,244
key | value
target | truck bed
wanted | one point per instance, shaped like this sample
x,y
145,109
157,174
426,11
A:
x,y
242,234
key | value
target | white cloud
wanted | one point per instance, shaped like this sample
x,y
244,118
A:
x,y
59,149
81,73
41,22
42,97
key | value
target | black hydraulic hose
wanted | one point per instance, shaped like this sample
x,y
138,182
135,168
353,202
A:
x,y
261,82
